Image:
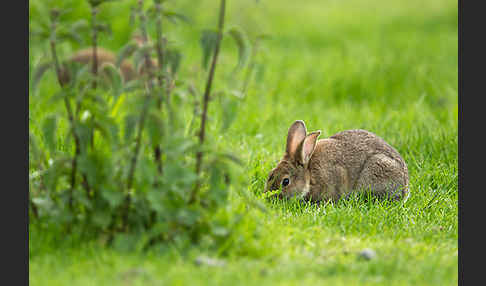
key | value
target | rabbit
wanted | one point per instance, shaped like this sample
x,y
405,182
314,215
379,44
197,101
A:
x,y
104,56
85,56
329,169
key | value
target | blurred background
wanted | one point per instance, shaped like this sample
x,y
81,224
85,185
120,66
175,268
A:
x,y
329,54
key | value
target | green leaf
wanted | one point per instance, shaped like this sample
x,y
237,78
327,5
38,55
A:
x,y
156,201
113,129
56,168
173,59
82,74
243,46
44,204
133,13
125,52
208,42
33,148
49,131
230,109
130,123
65,33
41,33
133,85
115,78
84,134
218,189
155,127
187,217
101,218
107,127
39,72
139,57
229,156
96,3
174,17
113,197
104,28
220,231
79,27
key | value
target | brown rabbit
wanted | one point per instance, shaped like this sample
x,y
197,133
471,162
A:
x,y
104,56
85,56
327,169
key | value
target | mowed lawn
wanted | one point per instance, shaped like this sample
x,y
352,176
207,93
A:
x,y
390,67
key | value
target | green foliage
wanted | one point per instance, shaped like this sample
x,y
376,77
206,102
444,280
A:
x,y
125,51
174,17
208,44
38,73
49,130
243,46
229,107
173,57
125,172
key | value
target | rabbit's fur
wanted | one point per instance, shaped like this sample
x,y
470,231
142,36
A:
x,y
128,72
104,56
85,56
327,169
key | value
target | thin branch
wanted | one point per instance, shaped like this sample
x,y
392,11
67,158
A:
x,y
207,91
94,39
159,48
62,78
143,116
160,76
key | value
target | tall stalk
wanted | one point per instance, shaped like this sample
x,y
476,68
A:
x,y
143,116
63,79
94,40
207,91
160,75
159,46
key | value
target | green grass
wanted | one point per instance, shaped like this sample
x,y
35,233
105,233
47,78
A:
x,y
386,66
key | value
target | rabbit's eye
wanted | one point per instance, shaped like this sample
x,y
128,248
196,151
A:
x,y
285,182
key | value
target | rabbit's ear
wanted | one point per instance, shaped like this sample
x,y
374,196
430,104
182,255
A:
x,y
307,147
296,135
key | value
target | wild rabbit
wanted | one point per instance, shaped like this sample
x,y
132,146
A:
x,y
327,169
104,56
85,56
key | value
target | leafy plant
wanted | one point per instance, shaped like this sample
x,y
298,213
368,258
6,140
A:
x,y
131,172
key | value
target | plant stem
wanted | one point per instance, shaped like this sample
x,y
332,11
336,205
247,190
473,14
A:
x,y
159,48
94,39
160,76
61,77
94,68
143,116
207,91
164,78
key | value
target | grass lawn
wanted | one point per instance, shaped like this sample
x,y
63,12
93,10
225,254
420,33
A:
x,y
390,67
